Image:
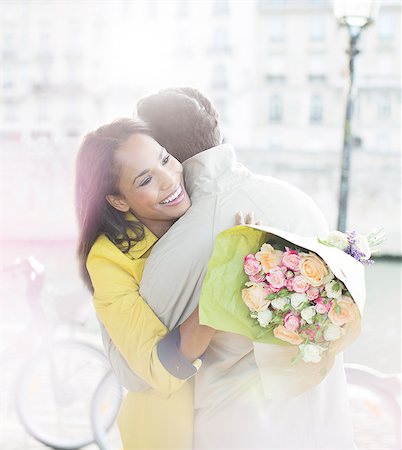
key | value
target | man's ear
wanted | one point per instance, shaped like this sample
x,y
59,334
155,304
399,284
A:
x,y
118,203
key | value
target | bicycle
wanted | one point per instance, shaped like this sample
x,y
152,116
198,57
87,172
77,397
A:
x,y
58,376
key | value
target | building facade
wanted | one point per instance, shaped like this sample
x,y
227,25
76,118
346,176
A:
x,y
276,71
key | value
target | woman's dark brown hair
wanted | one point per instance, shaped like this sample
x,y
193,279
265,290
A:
x,y
97,174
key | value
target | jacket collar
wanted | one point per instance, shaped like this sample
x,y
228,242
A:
x,y
210,167
140,248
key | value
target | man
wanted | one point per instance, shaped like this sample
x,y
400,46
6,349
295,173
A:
x,y
230,408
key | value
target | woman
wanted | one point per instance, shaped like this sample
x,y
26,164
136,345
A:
x,y
129,191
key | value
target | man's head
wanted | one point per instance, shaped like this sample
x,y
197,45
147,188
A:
x,y
182,120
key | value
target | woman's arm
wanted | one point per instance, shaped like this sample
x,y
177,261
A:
x,y
194,338
131,324
140,343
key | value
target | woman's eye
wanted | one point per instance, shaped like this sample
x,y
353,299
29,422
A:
x,y
146,181
166,160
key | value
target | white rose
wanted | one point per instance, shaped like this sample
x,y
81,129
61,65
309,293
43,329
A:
x,y
264,317
333,289
308,313
338,239
297,299
279,303
332,332
310,352
363,246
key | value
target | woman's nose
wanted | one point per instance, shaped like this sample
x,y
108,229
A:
x,y
169,180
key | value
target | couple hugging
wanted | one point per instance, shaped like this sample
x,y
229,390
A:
x,y
152,195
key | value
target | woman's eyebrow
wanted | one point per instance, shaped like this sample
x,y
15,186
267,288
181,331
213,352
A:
x,y
147,170
141,174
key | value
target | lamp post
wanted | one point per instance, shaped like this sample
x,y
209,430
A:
x,y
355,15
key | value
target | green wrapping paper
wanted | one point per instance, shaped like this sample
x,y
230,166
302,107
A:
x,y
221,305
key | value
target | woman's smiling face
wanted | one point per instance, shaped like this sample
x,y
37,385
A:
x,y
150,183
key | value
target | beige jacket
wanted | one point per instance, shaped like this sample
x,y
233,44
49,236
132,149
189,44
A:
x,y
231,410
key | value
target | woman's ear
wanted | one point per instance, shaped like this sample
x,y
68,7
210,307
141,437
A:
x,y
118,203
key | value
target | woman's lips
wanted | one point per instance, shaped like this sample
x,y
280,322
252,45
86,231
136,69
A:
x,y
177,200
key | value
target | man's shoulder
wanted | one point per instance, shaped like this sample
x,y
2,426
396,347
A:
x,y
277,184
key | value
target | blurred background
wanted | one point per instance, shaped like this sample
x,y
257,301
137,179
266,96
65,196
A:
x,y
277,72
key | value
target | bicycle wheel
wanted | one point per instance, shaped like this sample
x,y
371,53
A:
x,y
54,394
104,409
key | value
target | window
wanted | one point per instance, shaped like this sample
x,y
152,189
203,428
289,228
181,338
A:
x,y
275,108
221,7
220,41
316,69
385,27
316,109
276,70
183,8
317,28
8,81
276,28
384,106
219,78
9,111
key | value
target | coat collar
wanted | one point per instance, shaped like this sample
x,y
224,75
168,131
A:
x,y
211,167
140,248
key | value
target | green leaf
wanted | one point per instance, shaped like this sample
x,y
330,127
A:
x,y
296,358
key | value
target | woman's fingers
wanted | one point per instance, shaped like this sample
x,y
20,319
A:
x,y
239,218
249,220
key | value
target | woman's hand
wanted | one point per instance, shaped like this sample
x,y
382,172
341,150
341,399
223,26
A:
x,y
250,220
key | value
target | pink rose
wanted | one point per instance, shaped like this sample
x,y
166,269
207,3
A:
x,y
321,307
268,289
291,259
251,265
291,322
312,293
258,277
289,284
300,285
309,333
276,278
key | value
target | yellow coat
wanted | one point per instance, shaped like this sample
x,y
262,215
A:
x,y
161,417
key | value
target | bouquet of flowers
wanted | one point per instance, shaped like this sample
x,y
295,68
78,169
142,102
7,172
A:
x,y
294,293
299,299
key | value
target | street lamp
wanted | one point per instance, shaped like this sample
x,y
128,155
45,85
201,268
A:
x,y
355,15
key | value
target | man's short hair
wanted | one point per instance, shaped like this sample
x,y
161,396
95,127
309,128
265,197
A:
x,y
182,120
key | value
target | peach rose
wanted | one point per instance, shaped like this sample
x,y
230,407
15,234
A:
x,y
314,269
268,257
348,311
292,337
255,298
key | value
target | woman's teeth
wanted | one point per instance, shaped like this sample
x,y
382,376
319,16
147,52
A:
x,y
173,196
